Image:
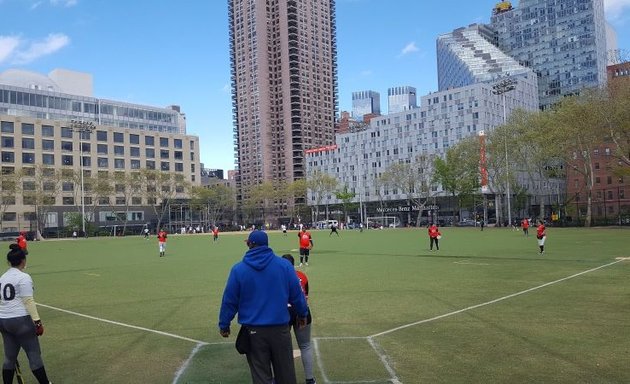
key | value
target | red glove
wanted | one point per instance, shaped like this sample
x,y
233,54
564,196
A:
x,y
39,328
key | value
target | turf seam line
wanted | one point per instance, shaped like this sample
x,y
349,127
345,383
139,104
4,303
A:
x,y
492,301
126,325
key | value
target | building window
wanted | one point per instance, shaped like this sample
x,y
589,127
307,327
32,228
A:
x,y
103,201
28,129
179,167
136,200
119,163
86,147
7,142
134,152
8,157
48,159
178,155
134,139
66,146
67,186
192,145
164,154
120,200
102,162
597,180
164,142
48,145
150,164
165,166
101,149
149,140
6,126
66,132
609,180
48,131
28,143
119,137
86,161
101,135
28,158
9,216
68,200
119,150
150,153
610,195
135,164
177,143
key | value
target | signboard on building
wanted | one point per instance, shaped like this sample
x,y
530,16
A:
x,y
322,149
407,208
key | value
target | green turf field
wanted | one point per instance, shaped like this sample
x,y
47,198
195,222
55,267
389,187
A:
x,y
486,308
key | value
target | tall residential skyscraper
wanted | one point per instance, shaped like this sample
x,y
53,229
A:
x,y
401,99
284,85
564,42
365,103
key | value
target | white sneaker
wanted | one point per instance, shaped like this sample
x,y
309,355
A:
x,y
300,264
307,264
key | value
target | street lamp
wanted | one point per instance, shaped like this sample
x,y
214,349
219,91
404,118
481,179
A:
x,y
501,88
83,127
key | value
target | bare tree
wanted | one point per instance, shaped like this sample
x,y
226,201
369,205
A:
x,y
321,186
9,187
40,188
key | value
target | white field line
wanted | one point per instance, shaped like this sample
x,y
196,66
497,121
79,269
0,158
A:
x,y
126,325
184,366
492,301
383,356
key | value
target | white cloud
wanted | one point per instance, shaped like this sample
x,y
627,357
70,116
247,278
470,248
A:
x,y
35,5
64,3
409,48
36,49
8,45
615,8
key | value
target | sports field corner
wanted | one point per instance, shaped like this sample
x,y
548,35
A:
x,y
485,308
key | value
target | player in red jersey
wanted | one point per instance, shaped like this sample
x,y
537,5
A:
x,y
215,233
306,244
303,334
162,241
541,235
525,226
434,237
21,242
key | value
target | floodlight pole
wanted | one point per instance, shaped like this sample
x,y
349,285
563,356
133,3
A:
x,y
82,127
502,88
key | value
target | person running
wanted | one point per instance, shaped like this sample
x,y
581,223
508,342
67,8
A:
x,y
22,243
20,323
541,235
146,233
215,233
306,244
303,334
162,241
434,237
525,226
482,224
333,229
284,229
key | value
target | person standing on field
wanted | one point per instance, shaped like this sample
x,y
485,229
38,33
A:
x,y
306,244
20,323
434,237
333,229
541,235
525,226
302,334
215,233
162,241
259,288
21,242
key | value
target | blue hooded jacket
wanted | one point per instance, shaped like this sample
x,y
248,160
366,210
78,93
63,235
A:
x,y
259,288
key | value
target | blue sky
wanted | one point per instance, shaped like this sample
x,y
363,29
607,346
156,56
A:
x,y
159,52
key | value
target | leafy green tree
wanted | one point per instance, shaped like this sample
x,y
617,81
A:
x,y
321,186
346,199
214,201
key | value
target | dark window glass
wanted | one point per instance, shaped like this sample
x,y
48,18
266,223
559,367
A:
x,y
163,142
135,164
119,163
119,137
119,150
177,143
8,157
101,135
134,139
150,164
150,153
149,140
68,200
67,160
48,145
164,154
87,161
134,152
28,158
28,129
101,149
48,131
102,162
48,159
28,143
7,126
66,132
178,155
165,166
7,142
179,167
66,146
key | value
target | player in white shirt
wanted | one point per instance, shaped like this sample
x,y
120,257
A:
x,y
20,323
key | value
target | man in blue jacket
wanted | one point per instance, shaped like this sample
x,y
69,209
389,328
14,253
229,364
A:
x,y
258,289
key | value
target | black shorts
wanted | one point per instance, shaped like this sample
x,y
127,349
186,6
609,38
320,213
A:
x,y
304,251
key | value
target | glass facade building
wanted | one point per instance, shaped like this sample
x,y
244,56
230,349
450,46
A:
x,y
467,56
564,42
401,99
365,103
